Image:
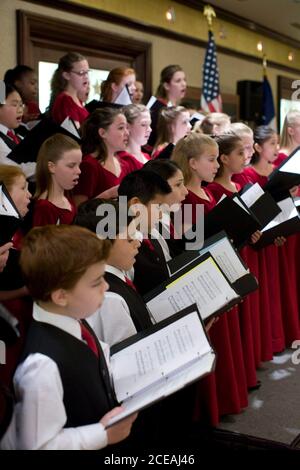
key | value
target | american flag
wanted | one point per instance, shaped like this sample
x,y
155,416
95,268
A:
x,y
211,99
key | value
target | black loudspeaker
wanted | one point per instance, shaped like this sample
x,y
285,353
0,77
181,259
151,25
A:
x,y
251,96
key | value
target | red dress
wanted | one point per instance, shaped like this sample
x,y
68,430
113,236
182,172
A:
x,y
225,391
248,317
192,200
280,158
218,190
240,178
64,106
288,257
131,161
253,177
273,291
94,178
46,213
32,111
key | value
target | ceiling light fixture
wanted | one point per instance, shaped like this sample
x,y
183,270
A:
x,y
170,14
259,46
291,56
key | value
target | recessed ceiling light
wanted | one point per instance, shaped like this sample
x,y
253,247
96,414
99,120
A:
x,y
170,14
259,46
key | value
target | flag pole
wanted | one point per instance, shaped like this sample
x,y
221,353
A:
x,y
209,14
265,64
210,96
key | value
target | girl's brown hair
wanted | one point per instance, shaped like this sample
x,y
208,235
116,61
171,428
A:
x,y
166,119
226,143
166,76
115,76
58,82
91,140
51,150
191,146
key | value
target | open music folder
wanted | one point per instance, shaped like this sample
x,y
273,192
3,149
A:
x,y
232,215
159,361
69,125
10,218
222,250
204,282
27,150
285,224
260,202
123,98
285,176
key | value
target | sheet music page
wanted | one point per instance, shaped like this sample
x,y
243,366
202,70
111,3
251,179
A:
x,y
221,199
297,201
123,98
239,203
6,207
252,194
161,389
69,126
288,211
158,355
204,285
226,257
292,165
151,102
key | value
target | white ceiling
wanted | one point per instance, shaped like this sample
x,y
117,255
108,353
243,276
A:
x,y
276,15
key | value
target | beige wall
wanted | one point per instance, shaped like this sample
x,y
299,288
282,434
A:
x,y
164,51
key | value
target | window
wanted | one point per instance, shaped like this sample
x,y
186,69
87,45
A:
x,y
42,41
45,72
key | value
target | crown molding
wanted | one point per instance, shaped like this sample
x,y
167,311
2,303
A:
x,y
120,20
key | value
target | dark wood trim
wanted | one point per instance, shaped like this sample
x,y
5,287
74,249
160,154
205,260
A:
x,y
158,31
240,21
42,31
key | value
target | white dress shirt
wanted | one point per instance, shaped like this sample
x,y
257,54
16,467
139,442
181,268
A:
x,y
28,168
39,415
112,322
165,221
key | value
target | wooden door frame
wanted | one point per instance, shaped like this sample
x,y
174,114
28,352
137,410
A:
x,y
50,33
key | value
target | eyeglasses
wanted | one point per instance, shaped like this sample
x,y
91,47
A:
x,y
82,73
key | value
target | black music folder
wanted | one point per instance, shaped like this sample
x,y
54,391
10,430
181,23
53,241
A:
x,y
232,215
160,360
96,104
261,203
166,153
215,286
27,150
223,251
285,224
283,178
10,219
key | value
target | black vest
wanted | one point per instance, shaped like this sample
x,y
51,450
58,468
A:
x,y
8,141
176,245
88,395
150,268
136,305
